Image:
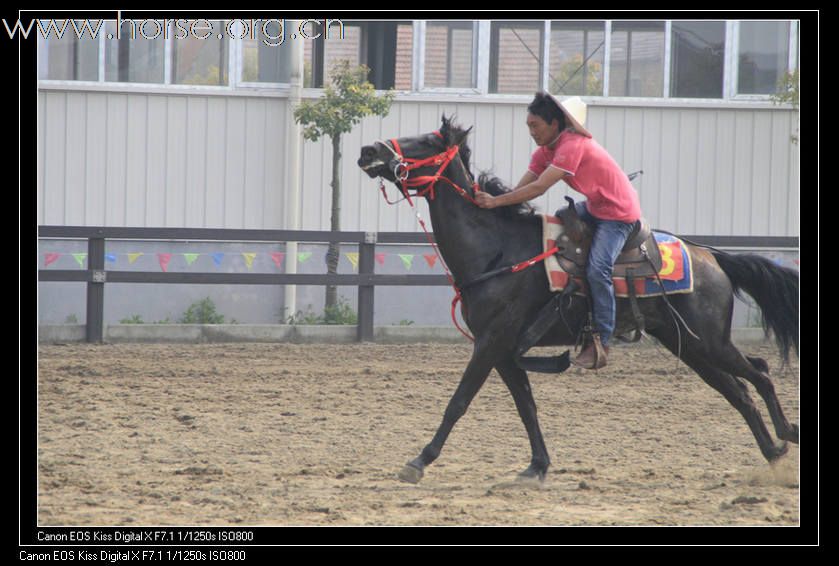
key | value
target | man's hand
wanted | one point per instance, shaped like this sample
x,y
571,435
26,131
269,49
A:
x,y
485,200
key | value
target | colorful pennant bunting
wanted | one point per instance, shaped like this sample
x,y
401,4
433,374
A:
x,y
80,257
164,259
278,258
353,257
249,258
50,257
190,258
407,260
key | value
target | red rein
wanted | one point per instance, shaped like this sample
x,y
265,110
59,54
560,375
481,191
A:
x,y
402,172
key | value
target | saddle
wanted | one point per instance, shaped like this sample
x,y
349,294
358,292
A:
x,y
640,256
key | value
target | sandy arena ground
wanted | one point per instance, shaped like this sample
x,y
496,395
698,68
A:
x,y
283,434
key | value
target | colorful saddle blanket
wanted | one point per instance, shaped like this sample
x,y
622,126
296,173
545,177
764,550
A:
x,y
676,273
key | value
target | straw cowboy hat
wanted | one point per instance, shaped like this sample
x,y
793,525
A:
x,y
575,113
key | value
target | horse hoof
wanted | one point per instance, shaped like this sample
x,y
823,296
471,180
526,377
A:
x,y
780,450
531,476
792,435
410,474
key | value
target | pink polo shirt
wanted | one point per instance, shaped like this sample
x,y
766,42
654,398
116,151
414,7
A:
x,y
592,172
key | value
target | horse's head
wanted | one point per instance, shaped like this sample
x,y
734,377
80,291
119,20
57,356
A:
x,y
577,229
393,159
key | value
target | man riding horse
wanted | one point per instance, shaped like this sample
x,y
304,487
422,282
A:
x,y
568,152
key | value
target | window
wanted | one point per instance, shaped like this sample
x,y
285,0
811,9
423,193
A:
x,y
68,55
697,59
135,60
515,62
449,54
201,61
637,59
266,57
577,52
383,46
404,56
763,56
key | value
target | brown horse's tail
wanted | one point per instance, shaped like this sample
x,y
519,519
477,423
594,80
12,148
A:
x,y
774,289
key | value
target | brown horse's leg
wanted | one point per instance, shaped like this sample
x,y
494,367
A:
x,y
473,379
732,361
516,380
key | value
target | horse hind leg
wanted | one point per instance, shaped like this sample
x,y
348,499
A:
x,y
756,371
737,394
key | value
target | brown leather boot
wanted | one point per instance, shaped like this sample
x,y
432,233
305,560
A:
x,y
593,355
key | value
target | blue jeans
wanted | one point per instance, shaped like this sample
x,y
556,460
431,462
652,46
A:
x,y
609,238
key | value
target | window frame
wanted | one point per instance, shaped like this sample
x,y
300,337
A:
x,y
481,67
420,27
734,60
544,46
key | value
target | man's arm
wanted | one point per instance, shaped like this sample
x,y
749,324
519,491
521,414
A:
x,y
528,178
523,192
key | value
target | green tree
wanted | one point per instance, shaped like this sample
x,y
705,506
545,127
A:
x,y
787,93
576,78
348,99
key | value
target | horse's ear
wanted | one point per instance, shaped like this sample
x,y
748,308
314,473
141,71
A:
x,y
461,136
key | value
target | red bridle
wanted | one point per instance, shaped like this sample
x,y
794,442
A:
x,y
405,182
403,169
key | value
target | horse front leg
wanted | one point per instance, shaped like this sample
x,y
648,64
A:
x,y
516,381
473,379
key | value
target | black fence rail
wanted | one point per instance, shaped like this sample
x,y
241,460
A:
x,y
96,276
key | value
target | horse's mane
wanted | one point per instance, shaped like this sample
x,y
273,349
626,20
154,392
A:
x,y
493,185
455,134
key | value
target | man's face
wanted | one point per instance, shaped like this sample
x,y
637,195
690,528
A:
x,y
542,132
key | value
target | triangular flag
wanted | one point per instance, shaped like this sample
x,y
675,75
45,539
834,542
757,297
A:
x,y
80,258
431,259
163,259
190,258
303,256
111,258
50,257
380,258
353,257
407,259
132,257
217,257
249,258
278,258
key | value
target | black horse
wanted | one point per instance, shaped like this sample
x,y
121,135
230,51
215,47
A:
x,y
475,241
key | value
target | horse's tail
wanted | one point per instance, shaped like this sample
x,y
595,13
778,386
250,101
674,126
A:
x,y
774,288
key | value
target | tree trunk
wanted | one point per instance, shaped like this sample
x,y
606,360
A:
x,y
333,254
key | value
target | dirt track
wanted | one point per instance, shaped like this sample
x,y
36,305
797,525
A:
x,y
281,434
